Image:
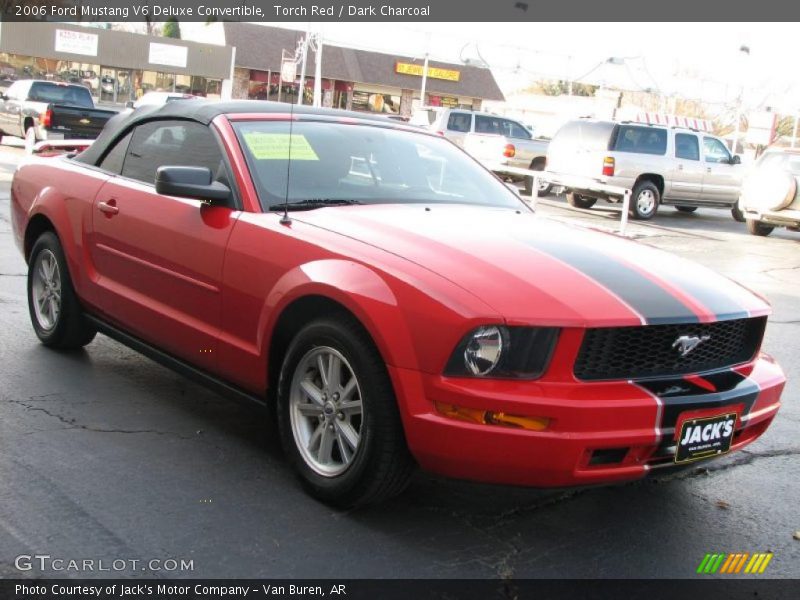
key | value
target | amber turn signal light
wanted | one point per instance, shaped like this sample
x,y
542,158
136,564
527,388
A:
x,y
487,417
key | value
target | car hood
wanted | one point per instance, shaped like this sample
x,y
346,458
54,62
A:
x,y
538,271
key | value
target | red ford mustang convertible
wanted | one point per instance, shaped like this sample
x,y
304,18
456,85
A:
x,y
390,299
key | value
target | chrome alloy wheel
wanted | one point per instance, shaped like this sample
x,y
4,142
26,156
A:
x,y
326,412
46,290
646,202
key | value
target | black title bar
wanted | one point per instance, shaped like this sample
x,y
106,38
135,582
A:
x,y
398,10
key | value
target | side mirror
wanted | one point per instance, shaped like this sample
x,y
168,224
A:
x,y
736,159
191,182
129,104
3,97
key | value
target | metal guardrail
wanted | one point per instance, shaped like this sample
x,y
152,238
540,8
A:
x,y
571,182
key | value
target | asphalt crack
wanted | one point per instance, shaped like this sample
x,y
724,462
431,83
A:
x,y
73,424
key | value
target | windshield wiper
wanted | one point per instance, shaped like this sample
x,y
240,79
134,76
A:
x,y
311,203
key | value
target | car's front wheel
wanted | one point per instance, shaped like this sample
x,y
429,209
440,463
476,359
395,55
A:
x,y
737,213
579,201
56,313
338,417
758,228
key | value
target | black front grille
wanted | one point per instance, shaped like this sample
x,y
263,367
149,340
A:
x,y
652,350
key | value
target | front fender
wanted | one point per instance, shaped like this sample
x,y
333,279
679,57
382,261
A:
x,y
360,290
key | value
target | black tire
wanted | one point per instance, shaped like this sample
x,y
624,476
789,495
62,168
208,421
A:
x,y
637,209
686,209
579,201
758,228
543,191
381,465
737,214
70,329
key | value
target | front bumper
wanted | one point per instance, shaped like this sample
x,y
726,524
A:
x,y
599,432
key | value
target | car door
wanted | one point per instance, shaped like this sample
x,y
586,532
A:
x,y
686,176
721,180
158,259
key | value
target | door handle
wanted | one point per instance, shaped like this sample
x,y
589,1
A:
x,y
680,167
109,208
708,169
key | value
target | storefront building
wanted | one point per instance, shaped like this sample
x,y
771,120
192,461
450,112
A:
x,y
116,66
351,79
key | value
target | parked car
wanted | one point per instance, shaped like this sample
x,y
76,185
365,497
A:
x,y
770,192
156,98
491,139
391,300
660,165
47,110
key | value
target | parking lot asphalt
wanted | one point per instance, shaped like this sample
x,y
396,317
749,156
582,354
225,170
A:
x,y
106,455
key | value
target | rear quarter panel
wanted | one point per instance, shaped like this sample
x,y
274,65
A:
x,y
62,192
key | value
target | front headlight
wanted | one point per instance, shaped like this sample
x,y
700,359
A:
x,y
503,352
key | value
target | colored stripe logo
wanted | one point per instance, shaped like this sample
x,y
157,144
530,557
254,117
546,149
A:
x,y
736,563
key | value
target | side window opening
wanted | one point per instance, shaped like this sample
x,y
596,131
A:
x,y
114,158
178,143
459,122
686,146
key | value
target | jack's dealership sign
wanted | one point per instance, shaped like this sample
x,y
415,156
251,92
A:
x,y
398,10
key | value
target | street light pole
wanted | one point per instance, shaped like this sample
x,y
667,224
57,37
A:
x,y
745,53
302,87
318,72
424,81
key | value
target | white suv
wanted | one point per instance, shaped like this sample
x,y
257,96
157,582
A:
x,y
682,167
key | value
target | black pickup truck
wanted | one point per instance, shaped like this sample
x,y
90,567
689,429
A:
x,y
49,110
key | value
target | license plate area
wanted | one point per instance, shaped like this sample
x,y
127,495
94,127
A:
x,y
705,437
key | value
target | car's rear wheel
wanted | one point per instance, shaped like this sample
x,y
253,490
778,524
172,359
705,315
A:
x,y
55,311
544,186
579,201
338,417
686,209
758,228
737,214
645,200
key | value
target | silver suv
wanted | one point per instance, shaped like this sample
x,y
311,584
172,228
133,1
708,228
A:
x,y
682,167
492,139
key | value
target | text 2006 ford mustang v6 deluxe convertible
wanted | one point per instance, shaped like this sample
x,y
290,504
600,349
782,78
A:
x,y
391,299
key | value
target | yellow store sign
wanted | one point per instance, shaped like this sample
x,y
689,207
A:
x,y
433,72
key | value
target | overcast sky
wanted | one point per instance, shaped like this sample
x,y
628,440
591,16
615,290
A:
x,y
690,59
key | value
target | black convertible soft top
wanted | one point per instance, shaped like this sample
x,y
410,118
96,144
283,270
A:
x,y
201,111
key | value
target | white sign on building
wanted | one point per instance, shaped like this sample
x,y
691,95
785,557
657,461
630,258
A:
x,y
168,54
76,42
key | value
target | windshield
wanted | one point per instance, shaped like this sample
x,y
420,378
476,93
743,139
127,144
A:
x,y
337,163
56,93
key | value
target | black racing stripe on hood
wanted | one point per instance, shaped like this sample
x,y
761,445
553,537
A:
x,y
655,304
721,304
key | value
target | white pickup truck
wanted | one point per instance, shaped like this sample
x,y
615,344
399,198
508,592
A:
x,y
493,140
